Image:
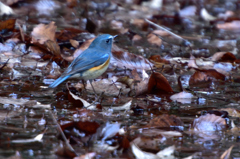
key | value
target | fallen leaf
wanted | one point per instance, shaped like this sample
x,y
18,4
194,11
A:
x,y
224,57
192,62
230,26
166,121
157,58
188,11
42,33
45,35
89,127
7,24
99,147
63,150
110,130
158,82
67,34
38,138
154,39
182,97
204,76
124,143
167,152
85,104
4,9
226,154
125,107
74,100
206,16
53,47
209,122
139,154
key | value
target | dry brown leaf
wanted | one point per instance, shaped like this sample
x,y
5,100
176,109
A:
x,y
7,24
153,39
42,33
89,127
165,121
53,47
158,82
63,150
135,75
45,35
204,76
192,62
157,58
149,143
224,57
67,34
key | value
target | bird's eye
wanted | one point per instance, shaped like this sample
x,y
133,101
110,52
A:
x,y
107,41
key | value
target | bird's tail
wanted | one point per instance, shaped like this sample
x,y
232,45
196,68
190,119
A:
x,y
58,81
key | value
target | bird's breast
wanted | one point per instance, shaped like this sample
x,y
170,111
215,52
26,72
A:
x,y
94,72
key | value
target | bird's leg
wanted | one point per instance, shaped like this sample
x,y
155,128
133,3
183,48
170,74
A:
x,y
84,91
93,87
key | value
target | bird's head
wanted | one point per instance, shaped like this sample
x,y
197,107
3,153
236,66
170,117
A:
x,y
103,41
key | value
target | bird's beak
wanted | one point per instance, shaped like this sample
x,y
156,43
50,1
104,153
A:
x,y
114,36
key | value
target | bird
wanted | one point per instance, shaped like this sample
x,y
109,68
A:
x,y
91,63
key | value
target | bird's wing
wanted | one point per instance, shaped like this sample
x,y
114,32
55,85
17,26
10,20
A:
x,y
88,59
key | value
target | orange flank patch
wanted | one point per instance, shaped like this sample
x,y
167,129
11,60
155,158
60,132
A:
x,y
100,66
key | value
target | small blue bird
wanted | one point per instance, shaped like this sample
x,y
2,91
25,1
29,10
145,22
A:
x,y
91,63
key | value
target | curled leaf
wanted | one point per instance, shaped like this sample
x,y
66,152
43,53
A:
x,y
45,35
209,122
224,57
158,82
203,76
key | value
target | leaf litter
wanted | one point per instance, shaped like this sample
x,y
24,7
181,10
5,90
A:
x,y
140,110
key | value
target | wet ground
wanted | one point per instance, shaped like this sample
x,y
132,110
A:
x,y
134,114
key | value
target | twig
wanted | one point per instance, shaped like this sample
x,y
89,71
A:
x,y
95,100
62,134
5,64
183,41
